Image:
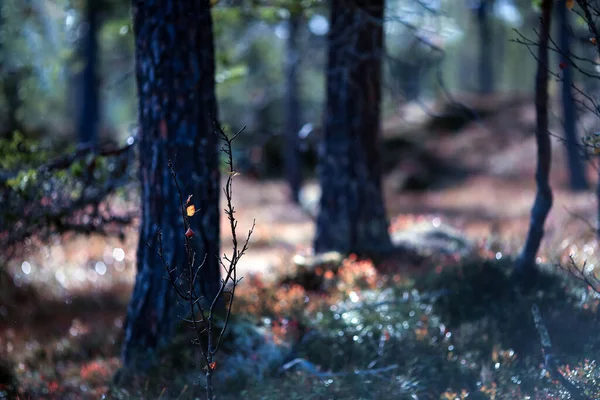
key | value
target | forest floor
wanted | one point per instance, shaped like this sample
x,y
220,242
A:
x,y
61,330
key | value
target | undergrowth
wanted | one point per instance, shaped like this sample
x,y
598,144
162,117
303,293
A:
x,y
464,330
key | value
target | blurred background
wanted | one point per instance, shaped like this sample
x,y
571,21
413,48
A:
x,y
458,150
49,47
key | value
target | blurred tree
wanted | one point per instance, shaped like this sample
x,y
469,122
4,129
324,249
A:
x,y
88,114
577,177
486,46
352,216
175,70
11,81
526,264
293,161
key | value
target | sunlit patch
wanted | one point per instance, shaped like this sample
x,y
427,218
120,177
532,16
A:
x,y
118,254
100,268
26,268
60,276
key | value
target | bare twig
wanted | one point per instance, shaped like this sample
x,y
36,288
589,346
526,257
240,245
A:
x,y
582,273
202,312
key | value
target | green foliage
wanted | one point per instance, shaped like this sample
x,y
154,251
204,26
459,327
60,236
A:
x,y
19,151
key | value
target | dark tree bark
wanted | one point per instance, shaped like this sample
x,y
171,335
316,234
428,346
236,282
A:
x,y
11,81
89,112
175,69
293,161
486,67
577,177
352,215
525,265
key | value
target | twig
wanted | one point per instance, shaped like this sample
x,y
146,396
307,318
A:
x,y
588,277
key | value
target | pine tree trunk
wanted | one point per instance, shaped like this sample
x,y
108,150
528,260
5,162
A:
x,y
175,69
352,215
526,265
577,177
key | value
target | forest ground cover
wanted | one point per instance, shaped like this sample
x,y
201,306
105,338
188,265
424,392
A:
x,y
60,331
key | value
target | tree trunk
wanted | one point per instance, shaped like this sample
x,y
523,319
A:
x,y
292,160
577,177
11,82
525,265
352,215
89,115
486,68
175,69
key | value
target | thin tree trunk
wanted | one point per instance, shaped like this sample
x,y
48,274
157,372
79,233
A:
x,y
175,69
577,177
352,215
525,265
293,110
486,71
89,115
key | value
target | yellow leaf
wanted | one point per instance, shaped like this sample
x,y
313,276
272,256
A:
x,y
570,4
190,210
234,173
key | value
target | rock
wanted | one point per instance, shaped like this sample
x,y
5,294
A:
x,y
427,239
330,258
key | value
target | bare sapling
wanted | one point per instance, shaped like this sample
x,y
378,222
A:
x,y
201,310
